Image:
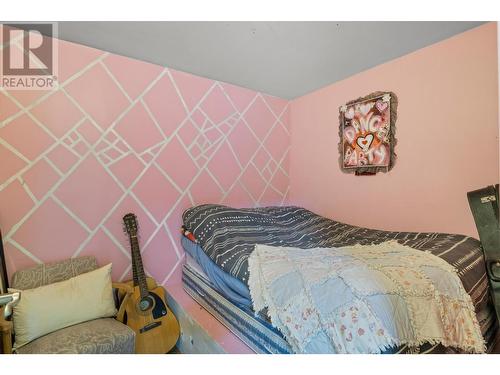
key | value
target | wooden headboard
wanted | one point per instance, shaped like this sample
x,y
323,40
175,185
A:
x,y
4,280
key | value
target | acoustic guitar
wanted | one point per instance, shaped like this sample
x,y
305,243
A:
x,y
146,311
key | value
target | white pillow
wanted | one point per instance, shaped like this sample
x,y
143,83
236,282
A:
x,y
51,307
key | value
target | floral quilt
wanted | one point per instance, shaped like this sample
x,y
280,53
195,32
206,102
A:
x,y
362,298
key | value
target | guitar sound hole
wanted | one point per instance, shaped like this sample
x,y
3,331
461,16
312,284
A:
x,y
146,303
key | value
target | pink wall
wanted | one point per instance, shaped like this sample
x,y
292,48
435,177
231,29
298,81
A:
x,y
447,132
123,135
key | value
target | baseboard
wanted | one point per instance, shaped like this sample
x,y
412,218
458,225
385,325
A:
x,y
201,333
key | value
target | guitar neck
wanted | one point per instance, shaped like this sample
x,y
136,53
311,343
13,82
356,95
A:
x,y
134,264
137,268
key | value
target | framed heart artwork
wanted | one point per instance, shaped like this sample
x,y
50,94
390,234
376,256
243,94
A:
x,y
367,134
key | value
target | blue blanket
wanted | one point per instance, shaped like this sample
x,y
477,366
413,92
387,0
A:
x,y
229,286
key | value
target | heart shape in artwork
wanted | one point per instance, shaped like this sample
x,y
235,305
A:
x,y
365,142
365,108
349,114
381,106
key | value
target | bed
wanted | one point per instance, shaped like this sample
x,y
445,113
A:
x,y
216,273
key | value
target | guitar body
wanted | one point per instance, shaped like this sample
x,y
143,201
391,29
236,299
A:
x,y
156,329
145,305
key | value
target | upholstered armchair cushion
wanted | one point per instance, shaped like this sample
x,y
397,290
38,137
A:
x,y
51,307
49,273
99,336
106,335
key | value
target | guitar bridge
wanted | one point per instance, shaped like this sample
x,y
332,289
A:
x,y
149,327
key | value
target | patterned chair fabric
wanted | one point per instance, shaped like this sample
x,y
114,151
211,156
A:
x,y
49,273
99,336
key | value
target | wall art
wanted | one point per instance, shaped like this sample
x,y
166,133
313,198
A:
x,y
367,129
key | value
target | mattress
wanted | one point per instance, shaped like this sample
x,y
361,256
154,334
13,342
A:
x,y
227,236
256,332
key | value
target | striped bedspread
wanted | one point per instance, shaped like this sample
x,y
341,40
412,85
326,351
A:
x,y
228,236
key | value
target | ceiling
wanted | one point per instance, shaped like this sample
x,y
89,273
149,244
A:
x,y
285,59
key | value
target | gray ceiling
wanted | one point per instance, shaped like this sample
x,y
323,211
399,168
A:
x,y
286,59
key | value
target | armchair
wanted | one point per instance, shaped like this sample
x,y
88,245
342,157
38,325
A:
x,y
104,335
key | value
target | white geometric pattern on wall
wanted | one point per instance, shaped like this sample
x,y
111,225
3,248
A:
x,y
123,135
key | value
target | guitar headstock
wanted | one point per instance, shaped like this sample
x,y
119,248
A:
x,y
130,222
